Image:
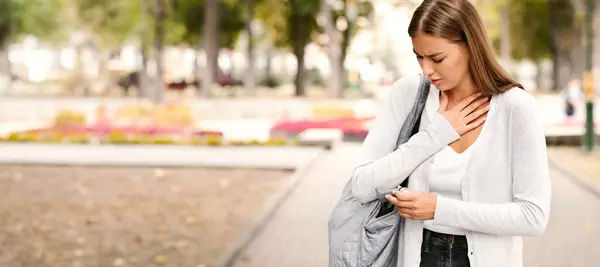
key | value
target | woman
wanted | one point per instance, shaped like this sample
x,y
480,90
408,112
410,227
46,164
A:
x,y
478,170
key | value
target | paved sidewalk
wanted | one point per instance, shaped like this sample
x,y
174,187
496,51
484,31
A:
x,y
584,167
297,235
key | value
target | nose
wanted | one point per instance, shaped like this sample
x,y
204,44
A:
x,y
427,68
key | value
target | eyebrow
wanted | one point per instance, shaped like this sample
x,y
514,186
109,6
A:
x,y
432,55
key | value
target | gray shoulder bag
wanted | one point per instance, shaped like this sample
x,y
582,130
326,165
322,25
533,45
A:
x,y
362,235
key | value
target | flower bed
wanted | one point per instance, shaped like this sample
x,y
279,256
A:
x,y
354,126
132,135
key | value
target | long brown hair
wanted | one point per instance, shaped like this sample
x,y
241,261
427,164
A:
x,y
458,21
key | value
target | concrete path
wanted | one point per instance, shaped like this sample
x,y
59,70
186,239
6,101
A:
x,y
571,239
297,235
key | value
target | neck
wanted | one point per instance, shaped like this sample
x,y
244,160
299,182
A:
x,y
463,90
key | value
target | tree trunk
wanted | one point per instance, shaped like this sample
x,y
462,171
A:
x,y
5,71
596,53
300,40
268,67
142,78
250,72
5,66
334,52
559,46
577,41
299,81
143,89
78,80
198,72
577,51
560,69
211,44
159,35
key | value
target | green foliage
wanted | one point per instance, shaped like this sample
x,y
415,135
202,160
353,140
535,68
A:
x,y
530,34
112,21
289,22
37,17
6,20
188,18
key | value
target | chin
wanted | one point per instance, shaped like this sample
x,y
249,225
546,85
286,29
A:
x,y
443,88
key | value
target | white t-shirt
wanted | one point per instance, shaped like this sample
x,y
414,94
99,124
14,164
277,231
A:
x,y
447,173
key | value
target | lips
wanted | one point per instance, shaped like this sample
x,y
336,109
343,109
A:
x,y
435,82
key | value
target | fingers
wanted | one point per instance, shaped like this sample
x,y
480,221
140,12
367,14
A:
x,y
405,213
400,203
475,124
393,200
404,195
467,101
477,113
475,105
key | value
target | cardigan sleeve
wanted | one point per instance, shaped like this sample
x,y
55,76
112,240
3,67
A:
x,y
528,213
381,165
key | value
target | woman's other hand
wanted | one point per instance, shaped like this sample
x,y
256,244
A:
x,y
414,205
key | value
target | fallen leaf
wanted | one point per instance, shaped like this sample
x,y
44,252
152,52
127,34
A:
x,y
588,227
190,220
160,258
224,182
84,191
91,220
159,173
39,254
138,239
119,262
78,253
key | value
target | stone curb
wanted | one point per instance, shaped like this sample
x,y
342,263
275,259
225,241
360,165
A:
x,y
273,204
577,178
157,155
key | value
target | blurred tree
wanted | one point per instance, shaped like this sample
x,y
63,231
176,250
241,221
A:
x,y
104,26
555,31
291,24
159,14
249,81
210,34
27,17
187,18
112,22
339,25
202,21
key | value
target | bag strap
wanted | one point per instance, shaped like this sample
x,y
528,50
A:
x,y
411,125
413,121
409,128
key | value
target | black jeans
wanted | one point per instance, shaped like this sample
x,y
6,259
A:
x,y
442,250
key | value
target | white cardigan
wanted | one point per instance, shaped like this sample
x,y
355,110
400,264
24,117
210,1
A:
x,y
506,192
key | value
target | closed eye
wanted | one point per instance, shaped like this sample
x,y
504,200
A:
x,y
438,60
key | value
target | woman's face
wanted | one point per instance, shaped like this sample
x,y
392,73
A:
x,y
445,63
